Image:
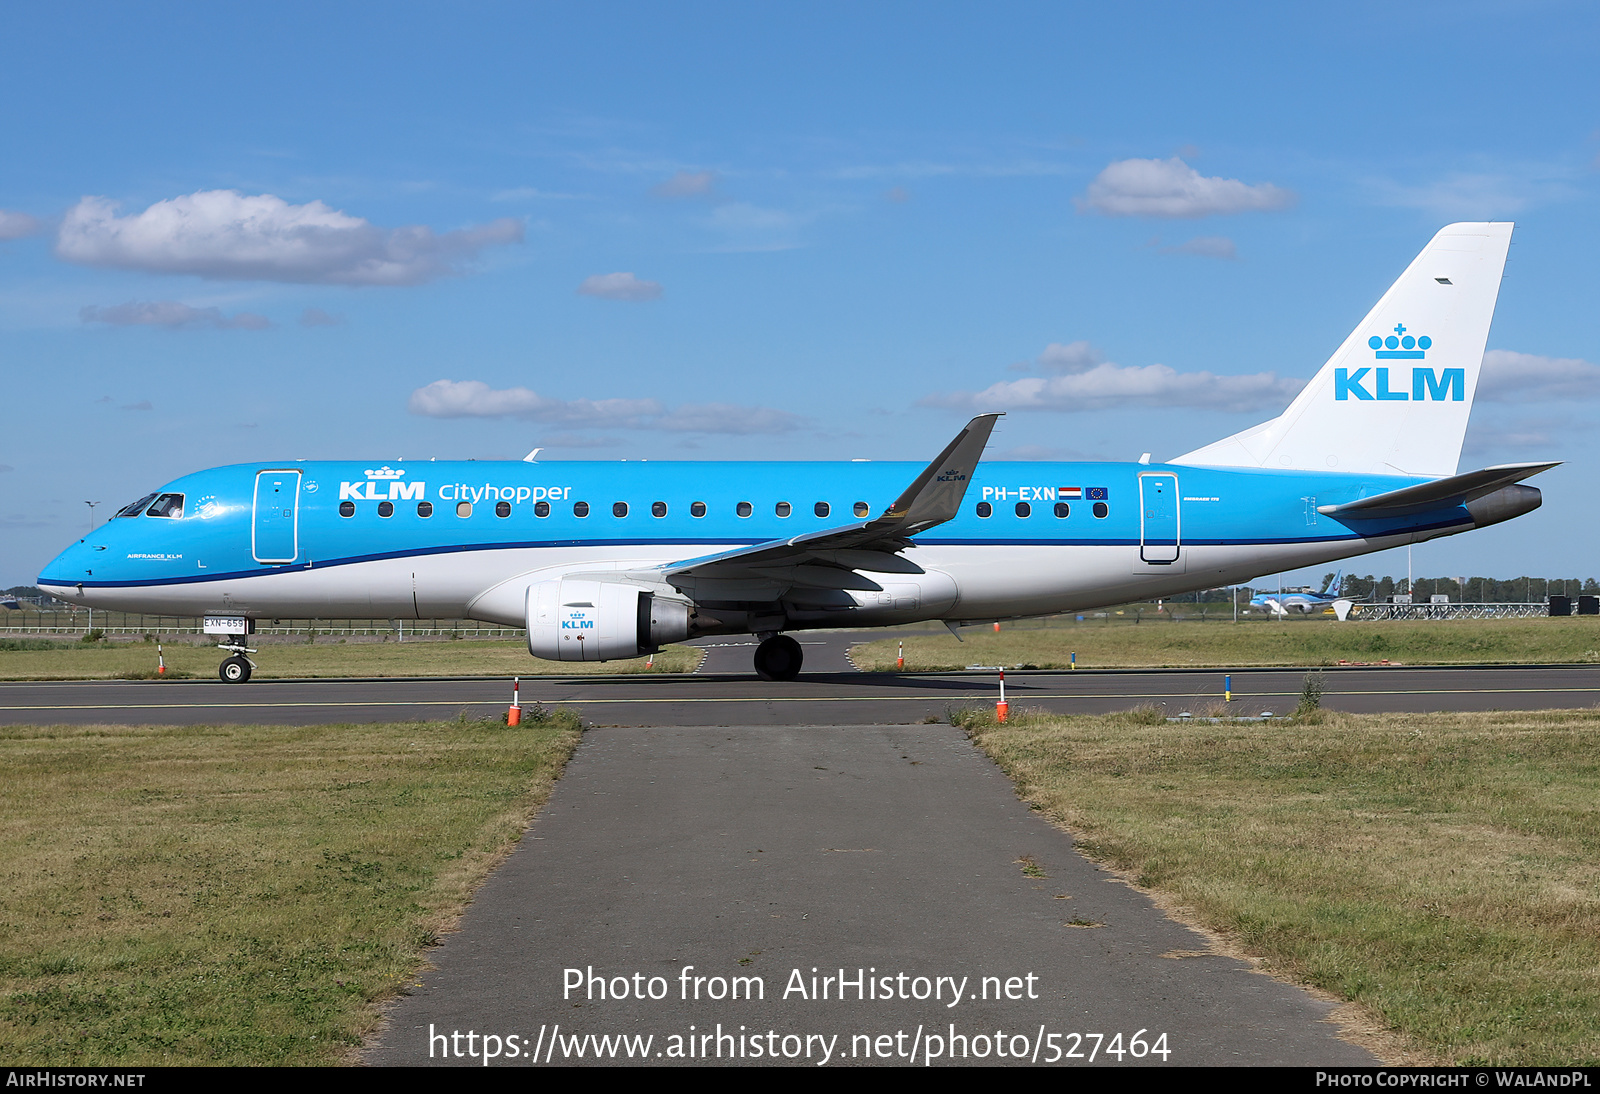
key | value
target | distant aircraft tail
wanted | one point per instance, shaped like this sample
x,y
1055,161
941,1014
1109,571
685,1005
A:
x,y
1395,397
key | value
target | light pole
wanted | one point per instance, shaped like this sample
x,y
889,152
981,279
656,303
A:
x,y
91,505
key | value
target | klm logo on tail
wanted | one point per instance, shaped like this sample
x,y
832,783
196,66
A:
x,y
1400,346
1426,384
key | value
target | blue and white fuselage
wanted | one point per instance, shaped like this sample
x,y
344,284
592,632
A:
x,y
603,560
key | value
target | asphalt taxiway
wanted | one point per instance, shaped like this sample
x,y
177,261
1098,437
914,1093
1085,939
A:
x,y
725,691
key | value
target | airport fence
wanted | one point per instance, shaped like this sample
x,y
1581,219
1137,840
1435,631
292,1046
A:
x,y
1449,611
79,621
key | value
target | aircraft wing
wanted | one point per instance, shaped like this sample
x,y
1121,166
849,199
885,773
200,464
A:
x,y
932,498
1455,490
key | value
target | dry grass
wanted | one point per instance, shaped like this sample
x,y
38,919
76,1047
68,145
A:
x,y
1310,642
242,894
327,657
1440,871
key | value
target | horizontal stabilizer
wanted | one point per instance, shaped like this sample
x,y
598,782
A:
x,y
1455,490
932,498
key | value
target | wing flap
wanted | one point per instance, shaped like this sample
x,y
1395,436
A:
x,y
932,498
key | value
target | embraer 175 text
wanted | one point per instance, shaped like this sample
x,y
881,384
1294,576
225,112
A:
x,y
614,560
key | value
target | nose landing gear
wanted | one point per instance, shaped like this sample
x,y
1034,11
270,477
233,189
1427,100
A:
x,y
779,658
235,669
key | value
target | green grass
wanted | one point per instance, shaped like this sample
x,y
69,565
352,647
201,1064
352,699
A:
x,y
301,659
1574,639
242,894
1440,871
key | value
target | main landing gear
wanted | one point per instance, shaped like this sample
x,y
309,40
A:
x,y
779,658
235,669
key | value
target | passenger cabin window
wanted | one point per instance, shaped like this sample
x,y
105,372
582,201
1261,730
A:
x,y
698,509
658,509
1101,509
619,508
984,509
821,509
347,508
135,509
862,508
386,508
463,508
1024,509
502,509
167,505
580,508
1063,509
541,509
744,509
783,509
424,508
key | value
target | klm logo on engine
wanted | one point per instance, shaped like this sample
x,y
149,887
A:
x,y
1376,384
382,484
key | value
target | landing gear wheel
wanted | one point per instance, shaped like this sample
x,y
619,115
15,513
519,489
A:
x,y
235,670
779,658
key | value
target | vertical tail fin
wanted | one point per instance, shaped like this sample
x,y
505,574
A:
x,y
1395,397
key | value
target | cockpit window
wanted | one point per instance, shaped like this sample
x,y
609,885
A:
x,y
135,509
167,505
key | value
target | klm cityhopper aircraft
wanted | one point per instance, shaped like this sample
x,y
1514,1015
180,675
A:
x,y
614,560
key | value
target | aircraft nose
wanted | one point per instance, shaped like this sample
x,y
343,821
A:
x,y
76,564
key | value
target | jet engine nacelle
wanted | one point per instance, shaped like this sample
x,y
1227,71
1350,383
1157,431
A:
x,y
581,619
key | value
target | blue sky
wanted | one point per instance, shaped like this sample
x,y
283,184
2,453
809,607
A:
x,y
706,231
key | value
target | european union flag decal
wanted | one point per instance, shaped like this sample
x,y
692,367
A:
x,y
1097,493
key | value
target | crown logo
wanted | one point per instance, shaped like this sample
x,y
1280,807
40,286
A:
x,y
385,473
1400,345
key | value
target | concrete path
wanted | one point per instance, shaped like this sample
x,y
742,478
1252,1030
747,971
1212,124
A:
x,y
898,854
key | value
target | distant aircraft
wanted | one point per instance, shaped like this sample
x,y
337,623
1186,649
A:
x,y
615,560
1301,600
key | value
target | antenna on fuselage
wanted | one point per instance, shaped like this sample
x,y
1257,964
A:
x,y
532,457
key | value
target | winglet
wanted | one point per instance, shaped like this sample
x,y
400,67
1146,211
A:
x,y
935,496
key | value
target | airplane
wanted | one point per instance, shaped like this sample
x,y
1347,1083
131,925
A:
x,y
605,561
1302,600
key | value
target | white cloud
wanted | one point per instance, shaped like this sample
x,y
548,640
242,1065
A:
x,y
1071,357
1524,435
476,399
1510,377
171,314
16,225
1171,188
686,184
575,440
227,235
1206,247
316,317
751,228
1084,380
620,286
1483,195
725,418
